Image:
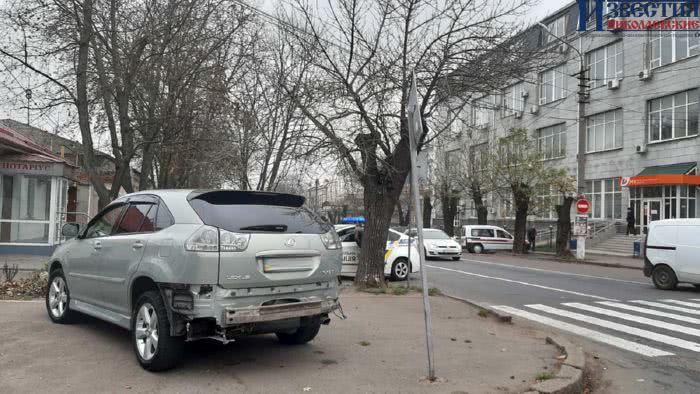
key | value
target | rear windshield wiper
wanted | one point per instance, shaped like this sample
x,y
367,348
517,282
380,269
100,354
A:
x,y
280,228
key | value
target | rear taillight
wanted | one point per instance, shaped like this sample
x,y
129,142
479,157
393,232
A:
x,y
205,239
331,240
212,239
233,242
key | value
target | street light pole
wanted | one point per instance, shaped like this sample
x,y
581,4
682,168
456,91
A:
x,y
582,98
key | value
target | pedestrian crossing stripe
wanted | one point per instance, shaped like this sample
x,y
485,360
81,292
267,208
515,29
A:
x,y
586,332
657,320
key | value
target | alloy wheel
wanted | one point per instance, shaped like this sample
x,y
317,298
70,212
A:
x,y
146,332
58,297
401,269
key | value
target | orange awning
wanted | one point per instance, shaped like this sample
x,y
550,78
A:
x,y
661,179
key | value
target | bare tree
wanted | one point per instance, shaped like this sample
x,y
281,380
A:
x,y
518,172
363,53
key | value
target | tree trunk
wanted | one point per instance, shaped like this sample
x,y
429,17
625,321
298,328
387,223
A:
x,y
379,207
482,213
449,210
564,226
521,199
427,211
403,219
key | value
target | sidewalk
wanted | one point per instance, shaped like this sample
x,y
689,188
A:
x,y
592,258
379,348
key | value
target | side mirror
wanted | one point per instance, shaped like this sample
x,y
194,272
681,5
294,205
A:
x,y
70,230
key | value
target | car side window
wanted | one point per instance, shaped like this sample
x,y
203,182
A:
x,y
134,219
347,235
482,232
503,234
104,223
164,218
393,237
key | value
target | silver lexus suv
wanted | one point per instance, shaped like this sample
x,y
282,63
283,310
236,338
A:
x,y
179,265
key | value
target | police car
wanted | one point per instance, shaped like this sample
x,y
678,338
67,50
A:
x,y
396,258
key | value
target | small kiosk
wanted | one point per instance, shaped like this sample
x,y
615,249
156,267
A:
x,y
33,191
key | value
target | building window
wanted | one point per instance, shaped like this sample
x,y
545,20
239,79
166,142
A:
x,y
668,47
551,141
513,99
545,203
606,198
478,156
483,112
552,84
687,201
25,209
556,28
604,131
605,63
674,116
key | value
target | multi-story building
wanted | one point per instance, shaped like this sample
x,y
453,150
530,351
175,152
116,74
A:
x,y
641,145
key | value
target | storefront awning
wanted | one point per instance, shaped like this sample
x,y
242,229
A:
x,y
673,174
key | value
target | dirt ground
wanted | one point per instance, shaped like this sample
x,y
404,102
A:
x,y
380,348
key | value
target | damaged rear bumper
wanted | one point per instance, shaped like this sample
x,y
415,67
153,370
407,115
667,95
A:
x,y
266,313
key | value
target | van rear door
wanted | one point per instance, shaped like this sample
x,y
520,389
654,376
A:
x,y
687,252
284,245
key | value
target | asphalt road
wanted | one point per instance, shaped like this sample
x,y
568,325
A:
x,y
648,340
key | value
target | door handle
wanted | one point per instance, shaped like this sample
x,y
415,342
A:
x,y
97,245
137,245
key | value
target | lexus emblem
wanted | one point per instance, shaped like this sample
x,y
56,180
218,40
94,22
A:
x,y
290,243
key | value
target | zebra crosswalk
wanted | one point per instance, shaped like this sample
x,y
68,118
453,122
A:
x,y
649,328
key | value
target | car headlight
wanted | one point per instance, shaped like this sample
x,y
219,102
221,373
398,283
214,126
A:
x,y
331,240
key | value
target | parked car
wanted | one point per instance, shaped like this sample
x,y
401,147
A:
x,y
396,259
438,244
671,253
479,238
176,265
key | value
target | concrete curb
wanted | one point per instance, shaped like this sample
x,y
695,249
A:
x,y
569,379
502,317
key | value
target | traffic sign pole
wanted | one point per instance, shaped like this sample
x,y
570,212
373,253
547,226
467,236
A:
x,y
581,227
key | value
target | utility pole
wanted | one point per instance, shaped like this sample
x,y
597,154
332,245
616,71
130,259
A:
x,y
582,98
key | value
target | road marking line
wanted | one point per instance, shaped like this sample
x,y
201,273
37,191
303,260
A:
x,y
690,304
593,335
669,340
523,283
555,272
635,318
670,307
650,311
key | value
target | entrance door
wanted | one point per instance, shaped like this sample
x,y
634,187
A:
x,y
652,212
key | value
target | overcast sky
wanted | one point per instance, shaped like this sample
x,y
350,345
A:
x,y
11,101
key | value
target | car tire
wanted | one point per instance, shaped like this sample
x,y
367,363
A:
x,y
58,298
664,278
478,249
301,335
456,258
400,269
167,350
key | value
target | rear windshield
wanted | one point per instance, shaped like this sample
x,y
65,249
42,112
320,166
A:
x,y
253,218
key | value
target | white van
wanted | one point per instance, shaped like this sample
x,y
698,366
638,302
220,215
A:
x,y
478,238
671,252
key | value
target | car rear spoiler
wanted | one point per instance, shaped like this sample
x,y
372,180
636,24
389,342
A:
x,y
246,197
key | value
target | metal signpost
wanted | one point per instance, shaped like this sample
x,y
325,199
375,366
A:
x,y
415,129
581,227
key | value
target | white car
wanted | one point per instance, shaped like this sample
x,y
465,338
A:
x,y
478,238
671,253
396,261
438,244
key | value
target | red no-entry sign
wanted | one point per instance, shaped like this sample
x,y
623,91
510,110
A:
x,y
583,206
